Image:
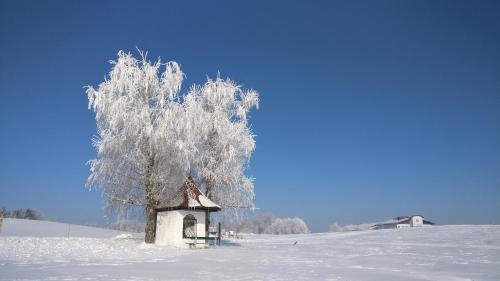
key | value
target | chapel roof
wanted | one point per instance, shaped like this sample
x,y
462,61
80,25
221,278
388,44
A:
x,y
189,197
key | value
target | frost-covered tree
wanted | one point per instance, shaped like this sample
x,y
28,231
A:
x,y
143,149
219,109
150,137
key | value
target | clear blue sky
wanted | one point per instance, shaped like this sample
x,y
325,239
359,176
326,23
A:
x,y
369,109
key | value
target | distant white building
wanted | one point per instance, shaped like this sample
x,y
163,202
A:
x,y
404,222
182,222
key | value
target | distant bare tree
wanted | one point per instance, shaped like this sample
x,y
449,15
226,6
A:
x,y
22,213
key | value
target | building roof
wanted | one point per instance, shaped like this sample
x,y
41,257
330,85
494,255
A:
x,y
402,220
406,217
189,197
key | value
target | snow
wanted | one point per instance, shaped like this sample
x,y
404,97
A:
x,y
207,202
193,203
37,228
462,252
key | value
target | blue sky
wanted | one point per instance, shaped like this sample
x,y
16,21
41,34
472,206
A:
x,y
369,109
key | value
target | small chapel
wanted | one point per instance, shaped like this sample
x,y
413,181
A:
x,y
183,221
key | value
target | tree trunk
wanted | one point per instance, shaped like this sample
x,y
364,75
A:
x,y
210,186
209,181
150,206
151,221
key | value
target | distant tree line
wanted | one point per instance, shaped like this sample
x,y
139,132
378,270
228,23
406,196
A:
x,y
22,213
268,224
351,227
128,225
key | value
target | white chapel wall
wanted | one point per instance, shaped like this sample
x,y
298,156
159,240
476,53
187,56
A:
x,y
169,227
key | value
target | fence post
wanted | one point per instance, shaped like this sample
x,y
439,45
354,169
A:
x,y
219,234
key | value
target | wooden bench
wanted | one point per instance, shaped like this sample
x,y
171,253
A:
x,y
201,241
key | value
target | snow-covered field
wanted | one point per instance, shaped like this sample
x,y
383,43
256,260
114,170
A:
x,y
29,250
34,228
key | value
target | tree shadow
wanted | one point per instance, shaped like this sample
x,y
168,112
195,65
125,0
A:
x,y
229,243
